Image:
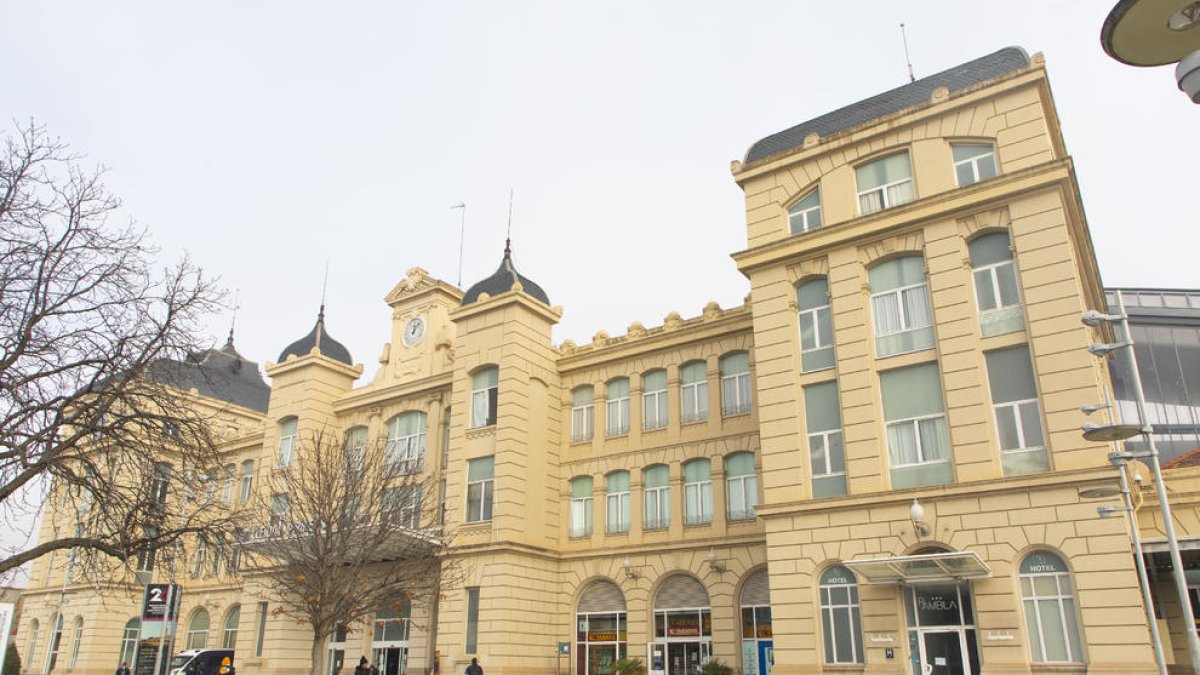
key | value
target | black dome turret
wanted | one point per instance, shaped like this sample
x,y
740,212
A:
x,y
318,337
502,282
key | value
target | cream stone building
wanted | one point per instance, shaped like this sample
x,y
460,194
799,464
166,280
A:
x,y
873,465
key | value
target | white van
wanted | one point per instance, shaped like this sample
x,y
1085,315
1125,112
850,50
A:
x,y
199,661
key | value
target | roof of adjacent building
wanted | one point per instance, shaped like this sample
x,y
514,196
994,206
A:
x,y
1185,460
319,338
914,93
222,374
502,282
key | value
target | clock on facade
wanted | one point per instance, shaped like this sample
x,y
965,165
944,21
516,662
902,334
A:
x,y
414,330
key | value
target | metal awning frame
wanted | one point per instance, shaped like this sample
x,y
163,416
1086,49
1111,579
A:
x,y
925,568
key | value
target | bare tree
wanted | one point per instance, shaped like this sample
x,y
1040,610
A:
x,y
352,526
93,340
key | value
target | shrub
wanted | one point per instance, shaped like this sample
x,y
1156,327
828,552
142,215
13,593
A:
x,y
715,667
628,667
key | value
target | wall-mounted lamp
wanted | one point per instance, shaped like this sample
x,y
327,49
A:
x,y
630,572
917,513
713,564
1093,407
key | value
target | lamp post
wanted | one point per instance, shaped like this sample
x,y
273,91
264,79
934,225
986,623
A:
x,y
1118,432
1157,33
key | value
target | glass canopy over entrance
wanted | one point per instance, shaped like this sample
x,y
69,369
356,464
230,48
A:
x,y
923,568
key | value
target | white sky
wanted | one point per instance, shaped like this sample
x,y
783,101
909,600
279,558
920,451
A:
x,y
267,138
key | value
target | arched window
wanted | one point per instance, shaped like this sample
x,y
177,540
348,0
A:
x,y
654,399
841,620
197,635
656,494
616,487
681,608
583,409
247,480
600,620
484,385
581,506
406,441
741,486
1049,602
693,385
129,642
996,291
735,384
33,638
78,637
229,634
816,325
805,215
616,394
287,442
757,634
900,306
55,643
697,492
356,448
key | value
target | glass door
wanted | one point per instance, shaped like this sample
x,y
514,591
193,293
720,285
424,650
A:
x,y
942,653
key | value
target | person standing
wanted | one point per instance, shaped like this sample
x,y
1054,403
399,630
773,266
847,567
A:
x,y
123,669
474,668
364,667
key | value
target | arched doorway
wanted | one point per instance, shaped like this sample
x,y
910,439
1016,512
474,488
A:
x,y
682,627
389,641
600,628
758,644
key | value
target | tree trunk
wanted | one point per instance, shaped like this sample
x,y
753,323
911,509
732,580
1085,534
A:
x,y
318,656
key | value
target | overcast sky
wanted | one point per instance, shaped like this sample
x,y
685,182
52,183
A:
x,y
268,138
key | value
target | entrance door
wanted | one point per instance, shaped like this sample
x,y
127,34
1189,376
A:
x,y
942,653
685,658
390,660
766,656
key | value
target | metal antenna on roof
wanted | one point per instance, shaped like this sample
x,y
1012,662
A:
x,y
236,306
508,235
324,285
462,231
904,36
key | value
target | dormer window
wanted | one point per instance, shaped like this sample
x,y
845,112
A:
x,y
884,183
973,162
805,215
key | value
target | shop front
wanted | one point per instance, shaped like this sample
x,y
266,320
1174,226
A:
x,y
682,627
758,644
600,624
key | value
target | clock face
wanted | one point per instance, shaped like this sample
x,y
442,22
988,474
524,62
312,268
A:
x,y
414,330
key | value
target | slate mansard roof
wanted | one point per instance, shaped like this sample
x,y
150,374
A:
x,y
223,374
955,79
502,282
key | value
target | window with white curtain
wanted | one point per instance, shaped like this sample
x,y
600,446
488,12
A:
x,y
996,291
841,619
973,162
201,558
1049,604
735,384
480,477
287,442
197,635
247,480
884,183
693,389
816,325
900,306
616,488
827,456
356,450
741,486
656,495
1018,415
654,400
583,411
616,394
230,471
581,506
917,438
406,441
697,492
484,388
805,215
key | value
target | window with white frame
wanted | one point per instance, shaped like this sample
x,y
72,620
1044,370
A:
x,y
884,183
996,291
616,491
816,325
129,641
161,482
917,438
33,639
805,215
581,506
197,634
201,557
841,618
229,635
1049,603
735,384
78,637
356,450
280,504
1018,415
287,442
583,410
654,400
480,476
484,385
616,412
973,162
823,418
247,480
406,441
697,492
402,505
55,643
693,389
741,486
900,306
656,495
230,482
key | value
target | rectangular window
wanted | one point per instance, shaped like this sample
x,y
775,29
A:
x,y
657,495
900,306
484,386
201,558
694,392
697,493
581,506
617,412
1018,416
617,493
479,489
741,486
287,443
261,632
805,215
884,183
230,482
826,454
654,400
735,384
247,480
583,411
917,438
816,325
279,509
472,646
973,162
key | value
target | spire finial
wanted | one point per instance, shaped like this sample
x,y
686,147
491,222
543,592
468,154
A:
x,y
324,286
462,231
508,235
233,320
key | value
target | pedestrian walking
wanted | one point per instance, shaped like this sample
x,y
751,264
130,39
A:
x,y
123,669
364,666
474,668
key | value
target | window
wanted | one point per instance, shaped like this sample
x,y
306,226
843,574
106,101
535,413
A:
x,y
841,619
1049,609
884,183
129,642
656,492
230,482
581,506
391,621
355,451
693,378
654,400
235,552
616,486
735,384
973,162
161,483
816,325
900,306
146,557
741,486
279,508
197,634
262,629
995,279
479,489
445,438
472,645
697,492
55,643
201,557
617,411
483,396
822,417
229,634
582,413
33,638
917,439
406,441
1018,418
78,636
247,480
805,214
402,505
287,442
